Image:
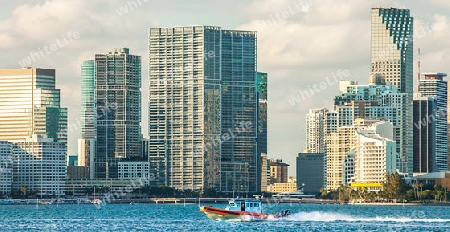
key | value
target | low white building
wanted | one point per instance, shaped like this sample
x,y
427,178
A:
x,y
5,167
134,170
39,164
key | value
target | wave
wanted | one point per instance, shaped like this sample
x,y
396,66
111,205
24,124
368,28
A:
x,y
330,217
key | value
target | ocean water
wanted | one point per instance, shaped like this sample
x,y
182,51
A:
x,y
180,217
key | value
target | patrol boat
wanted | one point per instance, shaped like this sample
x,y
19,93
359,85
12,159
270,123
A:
x,y
241,209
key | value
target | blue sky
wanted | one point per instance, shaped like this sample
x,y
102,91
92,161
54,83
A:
x,y
300,43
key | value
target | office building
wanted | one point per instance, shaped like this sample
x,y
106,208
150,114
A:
x,y
392,61
310,172
261,89
39,164
30,104
88,121
392,47
435,86
203,108
424,134
111,112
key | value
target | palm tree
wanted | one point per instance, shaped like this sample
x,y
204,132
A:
x,y
420,185
416,189
24,190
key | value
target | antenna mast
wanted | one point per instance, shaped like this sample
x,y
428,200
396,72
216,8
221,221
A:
x,y
418,73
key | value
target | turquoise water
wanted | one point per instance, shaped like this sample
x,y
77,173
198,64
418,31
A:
x,y
179,217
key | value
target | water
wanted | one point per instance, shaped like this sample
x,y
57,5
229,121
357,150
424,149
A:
x,y
180,217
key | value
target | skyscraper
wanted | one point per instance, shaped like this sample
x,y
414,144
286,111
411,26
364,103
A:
x,y
88,122
203,108
111,85
435,86
32,119
315,130
392,60
392,47
30,104
424,148
261,88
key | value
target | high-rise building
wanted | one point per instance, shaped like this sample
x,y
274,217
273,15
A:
x,y
340,154
203,108
424,134
392,47
310,172
380,102
88,122
261,88
375,155
30,104
339,144
315,130
392,60
30,109
435,86
111,112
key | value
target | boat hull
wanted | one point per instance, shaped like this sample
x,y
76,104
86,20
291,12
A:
x,y
218,214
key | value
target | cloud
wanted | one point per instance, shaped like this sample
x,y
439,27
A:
x,y
301,43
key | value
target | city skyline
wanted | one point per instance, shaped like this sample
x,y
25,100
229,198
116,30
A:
x,y
292,66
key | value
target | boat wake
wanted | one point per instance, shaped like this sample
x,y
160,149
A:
x,y
330,217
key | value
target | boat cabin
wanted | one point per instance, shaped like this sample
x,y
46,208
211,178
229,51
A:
x,y
247,205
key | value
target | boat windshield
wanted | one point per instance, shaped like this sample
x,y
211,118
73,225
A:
x,y
232,204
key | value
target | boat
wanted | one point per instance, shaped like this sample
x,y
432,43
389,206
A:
x,y
241,209
96,201
299,194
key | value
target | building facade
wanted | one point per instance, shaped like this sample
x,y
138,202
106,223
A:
x,y
134,171
6,165
117,102
261,88
315,130
310,172
278,171
377,101
435,86
392,47
375,154
39,164
424,131
203,108
30,104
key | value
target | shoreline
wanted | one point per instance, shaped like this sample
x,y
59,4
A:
x,y
204,201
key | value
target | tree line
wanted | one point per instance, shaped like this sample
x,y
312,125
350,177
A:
x,y
395,189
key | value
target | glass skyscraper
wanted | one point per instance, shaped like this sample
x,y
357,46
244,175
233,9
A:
x,y
392,47
111,85
392,61
32,119
203,108
435,86
30,104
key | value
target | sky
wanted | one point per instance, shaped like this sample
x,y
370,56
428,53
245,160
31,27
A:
x,y
301,43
